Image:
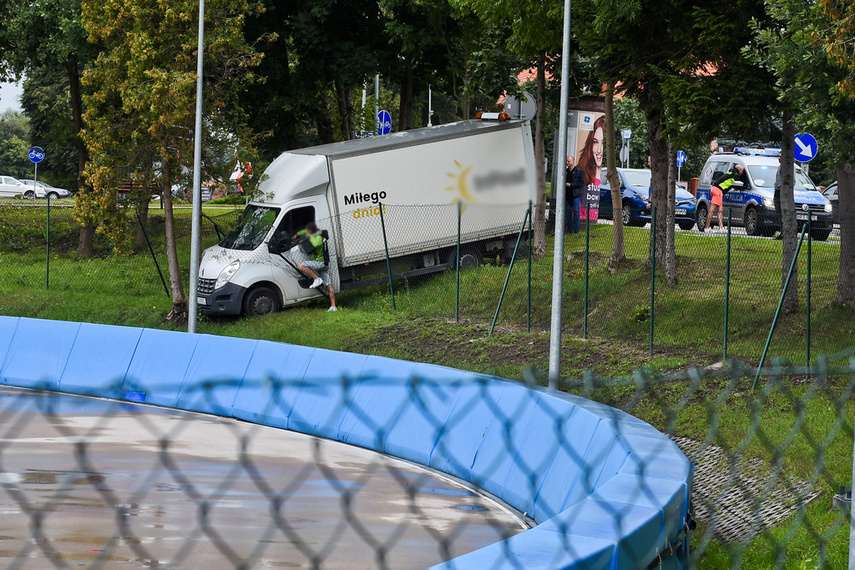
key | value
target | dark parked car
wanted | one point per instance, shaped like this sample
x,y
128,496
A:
x,y
831,194
635,190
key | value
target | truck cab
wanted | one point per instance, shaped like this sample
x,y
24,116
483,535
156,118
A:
x,y
753,205
248,271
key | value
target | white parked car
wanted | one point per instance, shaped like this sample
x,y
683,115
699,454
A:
x,y
10,187
43,190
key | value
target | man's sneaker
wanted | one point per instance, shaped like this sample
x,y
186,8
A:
x,y
316,283
332,310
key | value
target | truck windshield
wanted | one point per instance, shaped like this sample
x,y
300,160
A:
x,y
763,175
254,224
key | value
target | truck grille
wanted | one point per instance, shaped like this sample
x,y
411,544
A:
x,y
206,286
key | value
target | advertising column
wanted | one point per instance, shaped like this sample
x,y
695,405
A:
x,y
589,158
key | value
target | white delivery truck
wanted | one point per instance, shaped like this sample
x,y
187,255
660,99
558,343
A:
x,y
417,177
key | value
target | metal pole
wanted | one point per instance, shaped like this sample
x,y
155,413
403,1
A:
x,y
852,510
652,274
528,305
377,104
780,304
510,268
388,263
35,179
587,266
457,287
727,282
807,304
559,192
430,107
47,246
197,180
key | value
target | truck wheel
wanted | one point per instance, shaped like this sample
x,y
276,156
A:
x,y
701,213
752,222
469,257
260,301
820,235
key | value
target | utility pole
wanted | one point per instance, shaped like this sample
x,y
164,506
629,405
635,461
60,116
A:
x,y
430,107
377,104
560,192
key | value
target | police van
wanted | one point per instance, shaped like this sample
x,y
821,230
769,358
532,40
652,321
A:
x,y
753,206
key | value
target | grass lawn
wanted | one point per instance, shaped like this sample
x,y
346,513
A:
x,y
689,328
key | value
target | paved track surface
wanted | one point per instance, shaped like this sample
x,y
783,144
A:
x,y
338,506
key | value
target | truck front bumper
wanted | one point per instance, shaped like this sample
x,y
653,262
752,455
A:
x,y
226,300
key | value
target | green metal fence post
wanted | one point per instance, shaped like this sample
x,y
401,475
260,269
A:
x,y
780,304
807,303
386,247
457,286
528,305
510,268
587,265
47,244
727,281
652,272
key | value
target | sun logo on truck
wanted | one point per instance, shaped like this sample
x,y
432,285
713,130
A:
x,y
461,184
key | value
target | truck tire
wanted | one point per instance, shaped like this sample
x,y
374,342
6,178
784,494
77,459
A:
x,y
470,257
260,301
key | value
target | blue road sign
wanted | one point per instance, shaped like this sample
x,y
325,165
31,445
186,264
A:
x,y
681,158
384,123
36,154
806,147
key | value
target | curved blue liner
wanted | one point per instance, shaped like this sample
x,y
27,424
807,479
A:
x,y
606,489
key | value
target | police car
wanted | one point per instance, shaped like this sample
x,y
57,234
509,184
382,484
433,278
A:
x,y
753,206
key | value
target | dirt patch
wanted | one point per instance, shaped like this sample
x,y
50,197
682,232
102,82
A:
x,y
510,349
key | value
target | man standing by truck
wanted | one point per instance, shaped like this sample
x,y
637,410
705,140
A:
x,y
316,266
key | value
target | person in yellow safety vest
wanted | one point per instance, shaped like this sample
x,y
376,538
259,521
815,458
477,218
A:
x,y
316,267
721,186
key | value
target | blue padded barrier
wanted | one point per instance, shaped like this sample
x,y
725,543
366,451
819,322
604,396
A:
x,y
606,489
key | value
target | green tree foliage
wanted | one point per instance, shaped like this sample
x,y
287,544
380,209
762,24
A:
x,y
808,48
140,107
14,143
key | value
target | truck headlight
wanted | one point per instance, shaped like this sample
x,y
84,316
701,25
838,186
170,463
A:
x,y
769,202
227,273
828,207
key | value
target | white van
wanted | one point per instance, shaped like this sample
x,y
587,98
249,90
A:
x,y
417,177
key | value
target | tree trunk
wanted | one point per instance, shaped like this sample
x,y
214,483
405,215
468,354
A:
x,y
618,252
670,214
86,238
142,224
789,227
846,197
406,118
176,285
465,100
659,180
341,103
539,154
326,133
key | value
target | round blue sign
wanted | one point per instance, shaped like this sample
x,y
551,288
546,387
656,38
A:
x,y
36,154
681,158
384,123
806,147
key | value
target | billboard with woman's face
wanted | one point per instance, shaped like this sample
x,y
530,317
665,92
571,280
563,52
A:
x,y
590,144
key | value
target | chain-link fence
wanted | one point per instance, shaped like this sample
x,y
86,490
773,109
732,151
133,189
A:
x,y
39,242
723,299
101,483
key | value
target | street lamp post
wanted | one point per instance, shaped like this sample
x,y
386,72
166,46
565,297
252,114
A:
x,y
195,230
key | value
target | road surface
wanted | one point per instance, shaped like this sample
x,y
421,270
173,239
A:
x,y
124,486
